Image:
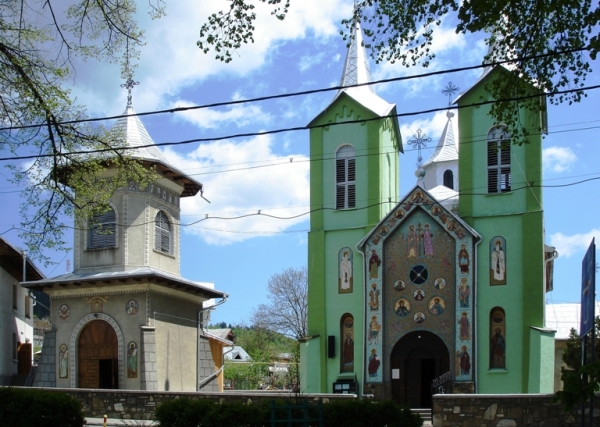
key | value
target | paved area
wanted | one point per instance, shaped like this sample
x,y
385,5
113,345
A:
x,y
114,422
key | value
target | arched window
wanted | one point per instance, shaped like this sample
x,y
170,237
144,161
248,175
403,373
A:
x,y
162,233
498,152
347,339
345,174
449,179
497,339
102,231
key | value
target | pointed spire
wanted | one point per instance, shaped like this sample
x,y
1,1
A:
x,y
446,149
356,67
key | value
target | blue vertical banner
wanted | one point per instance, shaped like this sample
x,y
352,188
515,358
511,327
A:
x,y
588,290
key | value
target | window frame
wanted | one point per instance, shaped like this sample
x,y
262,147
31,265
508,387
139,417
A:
x,y
161,233
499,176
345,178
448,178
107,239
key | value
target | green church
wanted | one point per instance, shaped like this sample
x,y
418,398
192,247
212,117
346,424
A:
x,y
443,291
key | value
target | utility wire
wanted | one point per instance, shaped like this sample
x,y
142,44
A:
x,y
258,212
309,92
304,159
300,128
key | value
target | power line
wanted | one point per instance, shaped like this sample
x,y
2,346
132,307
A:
x,y
304,158
309,92
259,212
300,128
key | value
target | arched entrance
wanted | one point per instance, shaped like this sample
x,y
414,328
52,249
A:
x,y
98,356
418,357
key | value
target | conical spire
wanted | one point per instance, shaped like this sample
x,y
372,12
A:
x,y
356,67
136,136
446,149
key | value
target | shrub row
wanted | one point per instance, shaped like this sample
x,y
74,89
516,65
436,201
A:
x,y
38,408
339,413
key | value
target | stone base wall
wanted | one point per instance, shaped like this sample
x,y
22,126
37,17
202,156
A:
x,y
505,410
45,375
140,405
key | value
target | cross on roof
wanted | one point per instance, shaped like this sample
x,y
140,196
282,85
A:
x,y
129,84
450,90
419,141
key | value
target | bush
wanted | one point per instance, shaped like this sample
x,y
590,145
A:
x,y
339,413
205,413
366,413
39,408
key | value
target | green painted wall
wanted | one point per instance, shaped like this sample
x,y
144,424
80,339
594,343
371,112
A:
x,y
376,144
517,216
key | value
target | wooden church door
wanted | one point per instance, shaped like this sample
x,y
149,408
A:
x,y
98,356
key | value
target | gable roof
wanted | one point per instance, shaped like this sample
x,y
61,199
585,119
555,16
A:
x,y
417,198
356,71
161,278
11,261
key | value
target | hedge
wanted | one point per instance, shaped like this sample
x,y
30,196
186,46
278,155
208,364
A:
x,y
38,408
342,413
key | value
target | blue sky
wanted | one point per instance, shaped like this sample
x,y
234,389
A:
x,y
242,176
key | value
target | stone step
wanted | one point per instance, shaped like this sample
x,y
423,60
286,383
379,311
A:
x,y
424,413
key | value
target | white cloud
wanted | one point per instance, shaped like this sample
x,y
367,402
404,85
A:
x,y
309,61
240,115
432,128
558,159
170,61
262,180
575,244
446,45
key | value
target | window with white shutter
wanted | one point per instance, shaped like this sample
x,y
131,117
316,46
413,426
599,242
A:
x,y
102,231
345,175
162,233
498,161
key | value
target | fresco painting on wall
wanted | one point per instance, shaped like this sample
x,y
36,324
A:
x,y
437,305
64,311
97,304
463,360
63,362
497,261
399,285
132,360
374,328
374,263
132,307
463,259
374,297
464,292
464,327
347,333
427,241
402,307
498,339
374,363
419,317
345,280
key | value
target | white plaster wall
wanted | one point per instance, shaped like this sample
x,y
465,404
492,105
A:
x,y
12,321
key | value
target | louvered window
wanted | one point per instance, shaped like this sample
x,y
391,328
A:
x,y
102,234
498,150
345,175
162,233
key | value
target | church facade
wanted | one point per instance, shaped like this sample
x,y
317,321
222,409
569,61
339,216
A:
x,y
125,318
443,288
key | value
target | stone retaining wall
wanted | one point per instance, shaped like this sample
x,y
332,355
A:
x,y
504,410
140,405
